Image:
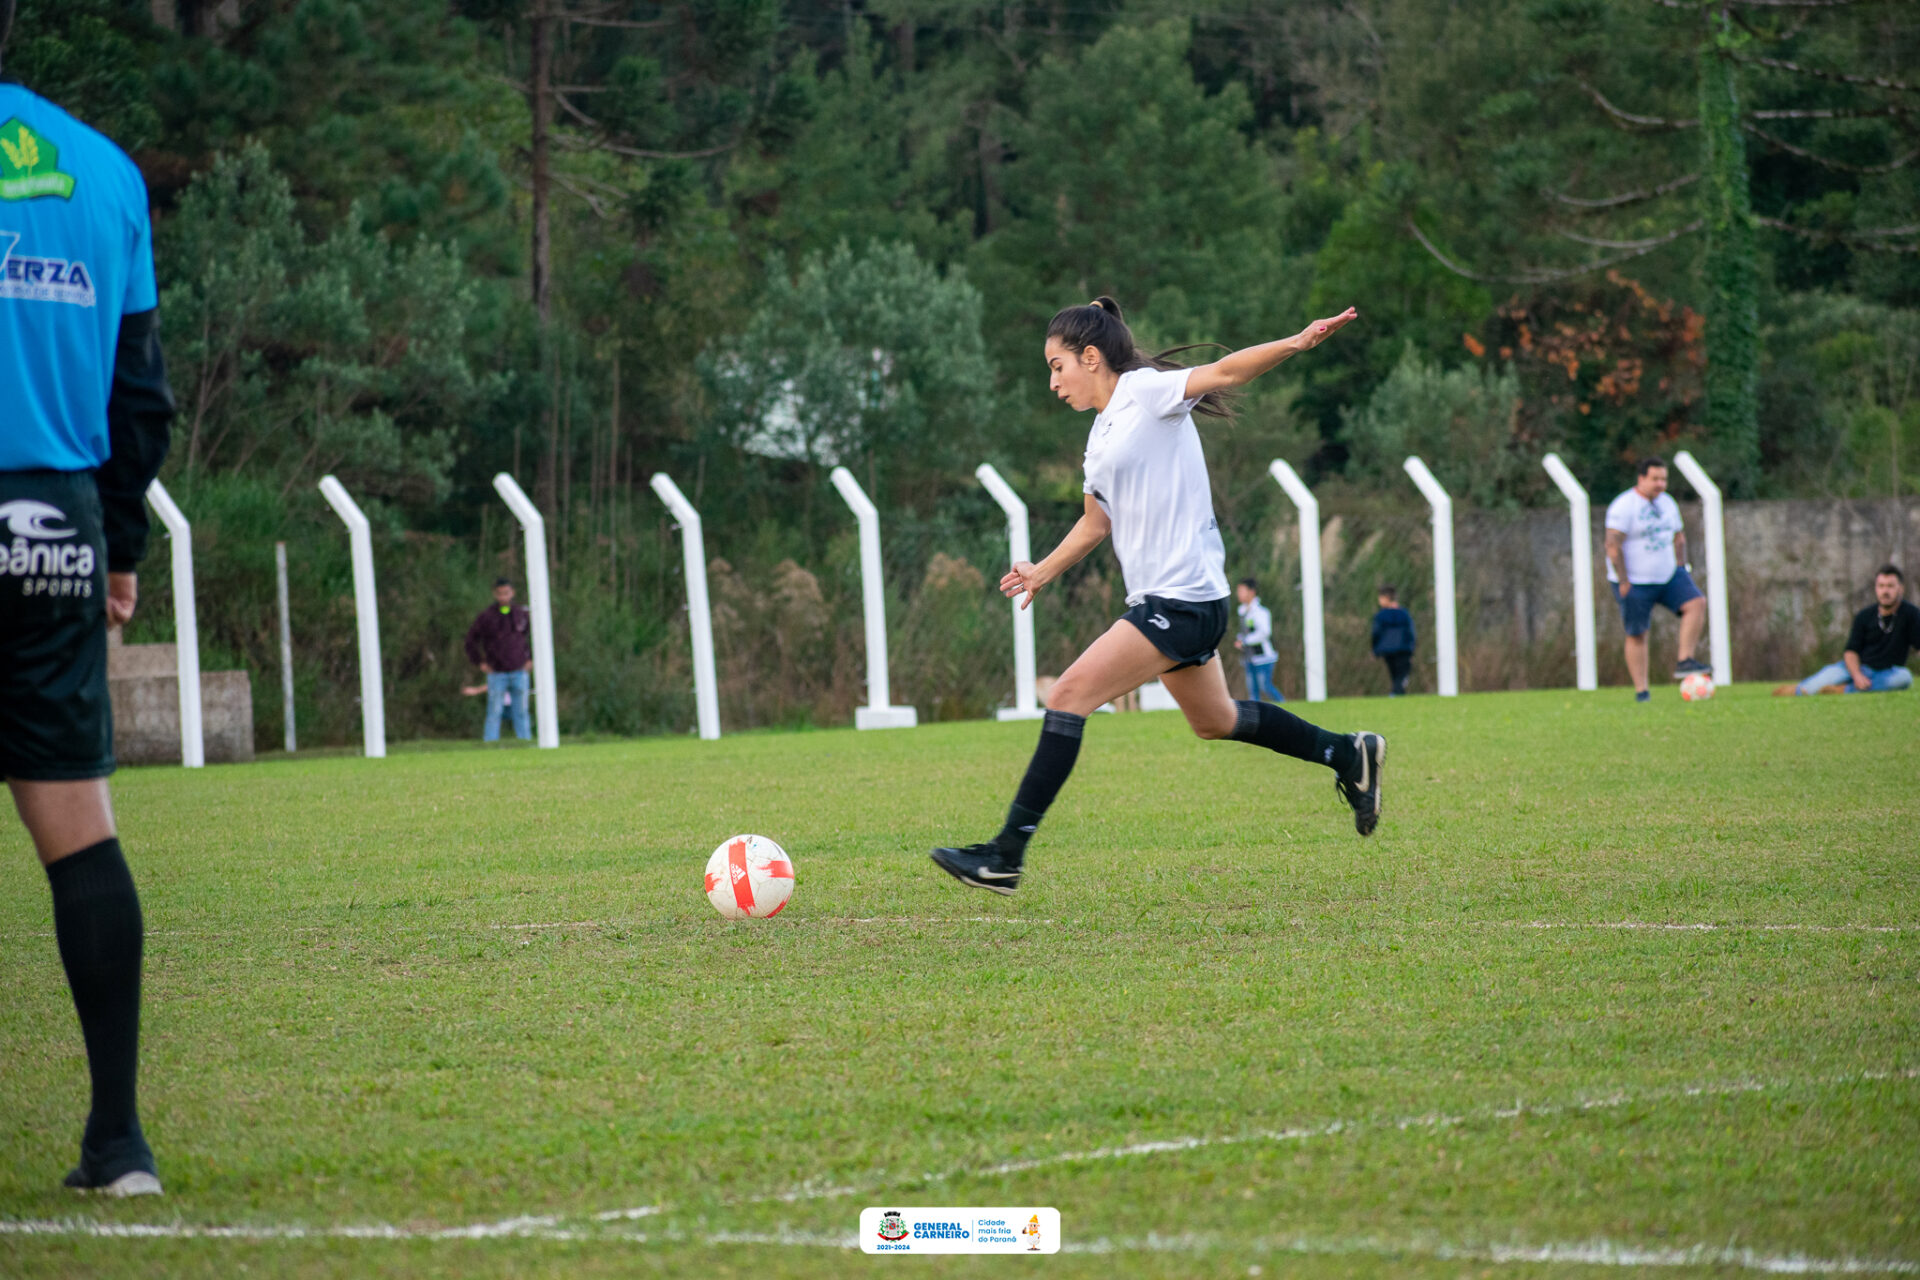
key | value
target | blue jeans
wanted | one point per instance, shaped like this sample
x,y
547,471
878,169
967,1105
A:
x,y
1260,682
500,683
1883,681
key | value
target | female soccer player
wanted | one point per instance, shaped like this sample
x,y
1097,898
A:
x,y
1146,485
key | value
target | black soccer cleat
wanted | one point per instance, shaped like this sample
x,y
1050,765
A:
x,y
1689,666
984,866
1363,790
124,1168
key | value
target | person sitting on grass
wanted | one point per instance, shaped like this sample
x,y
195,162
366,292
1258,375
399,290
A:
x,y
1876,658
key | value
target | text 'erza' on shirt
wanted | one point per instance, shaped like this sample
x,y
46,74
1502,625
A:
x,y
1146,470
76,254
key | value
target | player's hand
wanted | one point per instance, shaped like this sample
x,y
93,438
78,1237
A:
x,y
1023,577
1624,588
485,669
123,592
1862,683
1320,330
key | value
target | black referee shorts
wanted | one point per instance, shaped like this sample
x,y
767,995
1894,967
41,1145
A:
x,y
56,723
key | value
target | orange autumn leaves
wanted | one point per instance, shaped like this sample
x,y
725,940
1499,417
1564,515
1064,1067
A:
x,y
1610,344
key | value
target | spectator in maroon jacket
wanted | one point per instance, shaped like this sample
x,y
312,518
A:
x,y
500,642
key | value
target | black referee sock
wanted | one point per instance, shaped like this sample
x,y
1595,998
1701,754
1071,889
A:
x,y
96,920
1277,729
1052,761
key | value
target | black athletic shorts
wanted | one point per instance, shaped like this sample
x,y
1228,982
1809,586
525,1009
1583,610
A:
x,y
56,723
1185,630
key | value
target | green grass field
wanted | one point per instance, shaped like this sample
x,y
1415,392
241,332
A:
x,y
1614,987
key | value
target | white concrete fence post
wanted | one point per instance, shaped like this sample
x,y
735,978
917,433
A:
x,y
546,696
286,641
366,609
1019,547
1586,662
186,626
1445,650
1714,517
1313,627
879,713
693,550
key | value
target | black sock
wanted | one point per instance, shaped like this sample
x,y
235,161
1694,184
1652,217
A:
x,y
1052,761
1278,729
96,920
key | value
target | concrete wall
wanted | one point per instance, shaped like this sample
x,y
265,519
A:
x,y
144,684
1798,572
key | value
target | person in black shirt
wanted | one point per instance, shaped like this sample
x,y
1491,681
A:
x,y
1876,658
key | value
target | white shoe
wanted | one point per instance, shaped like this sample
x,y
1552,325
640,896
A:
x,y
137,1183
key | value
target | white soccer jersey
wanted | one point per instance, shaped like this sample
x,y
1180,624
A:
x,y
1648,546
1146,470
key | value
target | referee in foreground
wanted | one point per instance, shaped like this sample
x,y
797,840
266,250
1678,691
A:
x,y
85,416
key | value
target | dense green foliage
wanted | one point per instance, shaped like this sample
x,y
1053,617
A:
x,y
784,235
1658,994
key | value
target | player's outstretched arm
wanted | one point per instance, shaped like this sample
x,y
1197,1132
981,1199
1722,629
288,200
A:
x,y
1088,532
1245,365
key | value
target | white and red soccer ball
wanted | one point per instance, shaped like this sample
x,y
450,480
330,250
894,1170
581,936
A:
x,y
1697,687
749,877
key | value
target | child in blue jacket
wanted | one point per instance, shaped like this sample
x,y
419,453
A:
x,y
1393,639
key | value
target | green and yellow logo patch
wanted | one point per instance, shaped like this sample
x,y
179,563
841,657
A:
x,y
29,165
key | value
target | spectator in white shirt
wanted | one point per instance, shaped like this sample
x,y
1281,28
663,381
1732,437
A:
x,y
1255,642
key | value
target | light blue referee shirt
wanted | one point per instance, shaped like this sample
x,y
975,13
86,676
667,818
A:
x,y
76,254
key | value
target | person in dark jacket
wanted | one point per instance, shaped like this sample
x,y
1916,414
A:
x,y
1393,639
85,421
1883,634
500,643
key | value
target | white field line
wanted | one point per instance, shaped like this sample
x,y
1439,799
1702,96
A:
x,y
1590,1253
1645,926
1433,1120
550,1227
604,1226
1661,927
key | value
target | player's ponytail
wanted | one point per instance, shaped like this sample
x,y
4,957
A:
x,y
1100,325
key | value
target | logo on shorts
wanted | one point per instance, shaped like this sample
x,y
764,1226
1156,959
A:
x,y
1159,620
37,559
28,519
